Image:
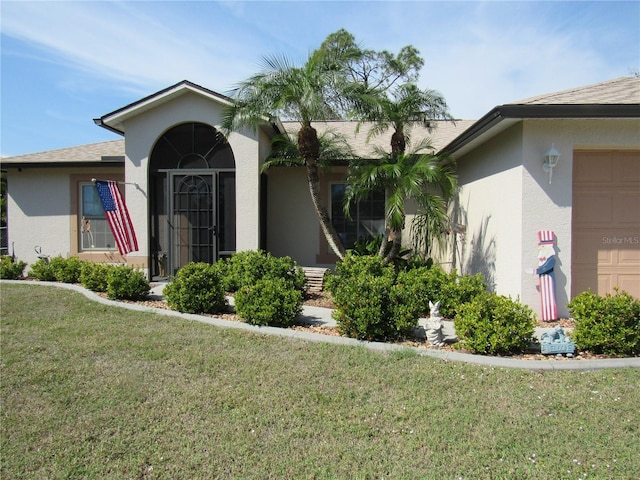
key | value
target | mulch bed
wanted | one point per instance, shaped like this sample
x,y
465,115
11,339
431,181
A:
x,y
323,299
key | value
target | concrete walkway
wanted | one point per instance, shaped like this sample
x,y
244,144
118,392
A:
x,y
322,316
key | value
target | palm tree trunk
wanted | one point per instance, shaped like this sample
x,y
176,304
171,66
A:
x,y
395,247
309,147
387,231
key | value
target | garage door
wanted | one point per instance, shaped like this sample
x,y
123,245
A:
x,y
606,222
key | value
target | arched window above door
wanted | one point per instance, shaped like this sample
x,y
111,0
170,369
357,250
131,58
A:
x,y
192,146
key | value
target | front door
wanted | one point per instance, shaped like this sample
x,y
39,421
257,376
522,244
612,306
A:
x,y
192,218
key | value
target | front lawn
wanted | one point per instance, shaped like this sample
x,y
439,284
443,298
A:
x,y
94,391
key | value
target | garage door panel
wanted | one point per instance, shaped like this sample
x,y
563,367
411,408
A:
x,y
586,247
606,257
628,168
629,283
596,208
605,283
629,257
593,167
606,222
626,207
584,279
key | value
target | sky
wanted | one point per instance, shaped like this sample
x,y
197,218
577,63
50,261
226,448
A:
x,y
65,63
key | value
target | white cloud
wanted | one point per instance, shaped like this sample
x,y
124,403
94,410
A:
x,y
122,42
478,54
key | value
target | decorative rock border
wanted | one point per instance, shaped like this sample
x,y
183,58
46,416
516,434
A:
x,y
484,360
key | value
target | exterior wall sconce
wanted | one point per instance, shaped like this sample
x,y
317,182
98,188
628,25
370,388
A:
x,y
550,161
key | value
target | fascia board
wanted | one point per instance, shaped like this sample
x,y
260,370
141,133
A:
x,y
504,116
115,120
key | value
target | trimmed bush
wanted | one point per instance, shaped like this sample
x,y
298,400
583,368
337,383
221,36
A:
x,y
274,302
373,309
126,283
495,325
66,270
196,288
95,276
247,267
42,270
409,297
10,269
355,265
451,290
608,325
363,292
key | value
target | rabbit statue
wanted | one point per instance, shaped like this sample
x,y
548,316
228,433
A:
x,y
433,325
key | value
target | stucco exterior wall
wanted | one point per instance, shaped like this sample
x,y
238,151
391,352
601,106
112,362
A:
x,y
40,207
292,226
489,205
505,198
548,206
143,130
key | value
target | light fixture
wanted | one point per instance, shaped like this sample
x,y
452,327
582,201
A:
x,y
550,161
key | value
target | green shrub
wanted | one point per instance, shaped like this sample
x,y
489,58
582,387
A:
x,y
10,269
363,308
609,324
409,293
355,265
366,311
274,301
451,290
42,270
95,276
66,270
366,302
126,283
495,325
463,289
247,267
196,288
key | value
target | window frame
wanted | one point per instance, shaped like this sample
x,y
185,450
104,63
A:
x,y
75,219
357,220
82,216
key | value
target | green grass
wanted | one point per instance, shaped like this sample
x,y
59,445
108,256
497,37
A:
x,y
99,392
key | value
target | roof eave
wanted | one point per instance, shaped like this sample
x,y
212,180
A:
x,y
516,112
114,121
88,164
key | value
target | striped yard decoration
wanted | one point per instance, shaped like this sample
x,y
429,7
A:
x,y
546,276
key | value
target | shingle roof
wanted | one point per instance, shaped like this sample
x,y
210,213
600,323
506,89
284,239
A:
x,y
442,133
618,98
620,91
111,151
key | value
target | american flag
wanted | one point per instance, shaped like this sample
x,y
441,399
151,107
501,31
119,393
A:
x,y
117,216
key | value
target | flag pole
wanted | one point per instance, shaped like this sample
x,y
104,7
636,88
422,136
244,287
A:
x,y
94,180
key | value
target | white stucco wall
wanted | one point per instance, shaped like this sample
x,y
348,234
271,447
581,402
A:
x,y
38,209
490,206
39,206
292,226
548,206
502,183
141,133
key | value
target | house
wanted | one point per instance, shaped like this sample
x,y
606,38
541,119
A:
x,y
194,195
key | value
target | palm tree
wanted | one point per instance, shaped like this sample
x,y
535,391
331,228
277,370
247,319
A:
x,y
296,93
404,176
425,178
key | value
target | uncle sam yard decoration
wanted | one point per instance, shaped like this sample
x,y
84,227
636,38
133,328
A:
x,y
547,279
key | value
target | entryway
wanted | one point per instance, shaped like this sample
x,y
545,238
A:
x,y
192,198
